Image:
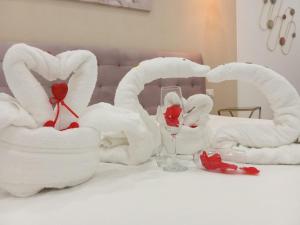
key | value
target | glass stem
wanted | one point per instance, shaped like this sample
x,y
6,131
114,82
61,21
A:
x,y
174,147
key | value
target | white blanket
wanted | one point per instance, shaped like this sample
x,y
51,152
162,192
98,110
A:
x,y
281,132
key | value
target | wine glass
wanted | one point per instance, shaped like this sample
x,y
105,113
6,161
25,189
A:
x,y
171,111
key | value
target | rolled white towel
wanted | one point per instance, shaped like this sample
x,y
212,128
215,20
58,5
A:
x,y
284,101
262,142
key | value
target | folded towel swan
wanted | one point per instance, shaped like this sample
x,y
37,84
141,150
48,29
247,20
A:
x,y
264,143
33,157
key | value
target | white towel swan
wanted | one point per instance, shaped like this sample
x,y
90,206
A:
x,y
81,65
133,83
44,156
266,137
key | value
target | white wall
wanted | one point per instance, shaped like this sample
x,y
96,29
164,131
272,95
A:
x,y
251,47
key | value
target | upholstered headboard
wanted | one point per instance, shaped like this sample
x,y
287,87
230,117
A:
x,y
113,64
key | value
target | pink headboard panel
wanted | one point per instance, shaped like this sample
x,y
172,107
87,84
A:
x,y
113,64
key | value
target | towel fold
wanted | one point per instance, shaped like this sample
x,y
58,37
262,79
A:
x,y
11,113
124,138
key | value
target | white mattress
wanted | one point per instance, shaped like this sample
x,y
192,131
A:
x,y
146,195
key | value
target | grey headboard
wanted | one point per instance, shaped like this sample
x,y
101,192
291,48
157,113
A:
x,y
113,64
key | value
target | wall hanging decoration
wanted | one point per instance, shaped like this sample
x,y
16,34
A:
x,y
281,26
144,5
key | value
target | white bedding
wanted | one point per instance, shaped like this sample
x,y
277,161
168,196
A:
x,y
147,195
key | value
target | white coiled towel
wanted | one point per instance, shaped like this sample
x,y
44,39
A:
x,y
261,142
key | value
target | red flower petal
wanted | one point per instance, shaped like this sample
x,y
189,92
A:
x,y
172,114
250,170
214,162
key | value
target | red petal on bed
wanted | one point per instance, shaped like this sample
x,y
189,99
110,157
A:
x,y
250,170
214,162
226,166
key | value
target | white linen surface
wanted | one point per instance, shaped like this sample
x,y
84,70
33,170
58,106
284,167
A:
x,y
134,195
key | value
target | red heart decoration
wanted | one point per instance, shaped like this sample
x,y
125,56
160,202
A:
x,y
59,90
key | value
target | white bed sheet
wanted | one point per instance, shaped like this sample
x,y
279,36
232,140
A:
x,y
142,195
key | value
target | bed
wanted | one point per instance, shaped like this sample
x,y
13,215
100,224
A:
x,y
145,194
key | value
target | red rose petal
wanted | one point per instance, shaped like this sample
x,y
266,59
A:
x,y
172,115
250,170
214,162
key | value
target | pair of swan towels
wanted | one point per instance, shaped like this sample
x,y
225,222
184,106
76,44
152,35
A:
x,y
33,157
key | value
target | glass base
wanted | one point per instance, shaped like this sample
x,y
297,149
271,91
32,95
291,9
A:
x,y
161,160
174,166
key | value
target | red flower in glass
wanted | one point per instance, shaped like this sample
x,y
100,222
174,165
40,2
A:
x,y
172,115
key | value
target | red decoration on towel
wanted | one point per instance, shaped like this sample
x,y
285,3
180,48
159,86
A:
x,y
214,162
172,115
59,92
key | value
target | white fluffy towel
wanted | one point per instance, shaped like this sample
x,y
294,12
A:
x,y
33,157
281,132
133,83
81,65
